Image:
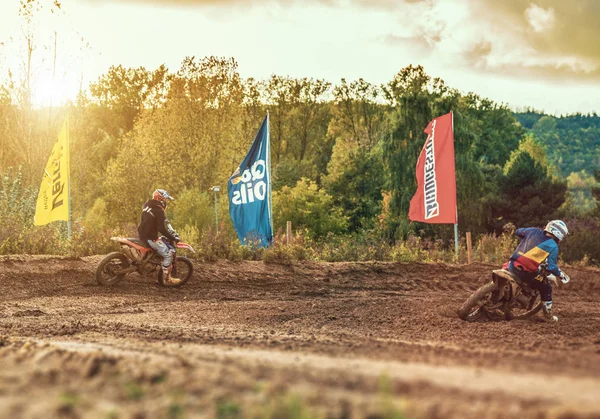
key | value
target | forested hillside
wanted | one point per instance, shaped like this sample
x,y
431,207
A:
x,y
572,141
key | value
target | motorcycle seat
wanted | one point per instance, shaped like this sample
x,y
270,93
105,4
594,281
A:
x,y
138,242
508,275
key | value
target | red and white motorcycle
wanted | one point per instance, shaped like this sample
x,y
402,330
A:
x,y
137,256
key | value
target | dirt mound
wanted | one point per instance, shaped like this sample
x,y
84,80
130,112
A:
x,y
330,338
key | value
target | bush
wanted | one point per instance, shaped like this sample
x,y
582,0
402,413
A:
x,y
286,254
309,208
357,247
496,249
410,250
194,209
582,242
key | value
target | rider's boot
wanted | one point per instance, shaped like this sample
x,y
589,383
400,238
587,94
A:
x,y
547,308
168,278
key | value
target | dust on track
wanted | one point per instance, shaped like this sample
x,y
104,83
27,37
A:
x,y
328,332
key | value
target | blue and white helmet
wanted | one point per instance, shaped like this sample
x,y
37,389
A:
x,y
557,228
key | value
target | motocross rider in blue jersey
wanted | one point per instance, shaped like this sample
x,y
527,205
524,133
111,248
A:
x,y
536,247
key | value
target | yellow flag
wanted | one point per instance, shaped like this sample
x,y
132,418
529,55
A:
x,y
53,199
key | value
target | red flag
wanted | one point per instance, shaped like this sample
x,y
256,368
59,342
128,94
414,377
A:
x,y
435,199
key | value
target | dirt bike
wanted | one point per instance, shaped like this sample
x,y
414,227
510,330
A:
x,y
506,297
137,256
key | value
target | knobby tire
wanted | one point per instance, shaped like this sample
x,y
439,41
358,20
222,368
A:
x,y
111,262
179,260
466,310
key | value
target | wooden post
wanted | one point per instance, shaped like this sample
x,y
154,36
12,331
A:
x,y
288,233
469,248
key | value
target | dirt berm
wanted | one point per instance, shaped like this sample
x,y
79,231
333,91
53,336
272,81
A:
x,y
248,339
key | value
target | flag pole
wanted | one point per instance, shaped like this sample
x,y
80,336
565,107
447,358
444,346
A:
x,y
456,223
69,177
269,186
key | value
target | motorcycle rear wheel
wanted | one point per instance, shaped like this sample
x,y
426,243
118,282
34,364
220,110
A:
x,y
106,272
182,269
469,311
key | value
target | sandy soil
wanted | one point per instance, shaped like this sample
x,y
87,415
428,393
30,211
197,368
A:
x,y
343,340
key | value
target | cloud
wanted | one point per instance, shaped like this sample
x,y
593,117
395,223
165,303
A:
x,y
546,39
478,53
383,4
540,19
224,3
550,39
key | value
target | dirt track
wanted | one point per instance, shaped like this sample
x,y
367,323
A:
x,y
253,340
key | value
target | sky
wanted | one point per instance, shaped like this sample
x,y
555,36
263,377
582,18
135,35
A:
x,y
542,54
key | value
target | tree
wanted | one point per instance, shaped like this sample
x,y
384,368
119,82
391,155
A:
x,y
309,208
497,132
190,142
125,92
356,115
528,195
410,95
356,180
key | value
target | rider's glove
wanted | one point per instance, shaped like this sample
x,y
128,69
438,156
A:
x,y
177,238
564,278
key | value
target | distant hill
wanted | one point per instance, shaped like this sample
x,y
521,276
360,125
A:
x,y
572,141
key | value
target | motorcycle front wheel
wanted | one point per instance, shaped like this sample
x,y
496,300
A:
x,y
182,269
108,268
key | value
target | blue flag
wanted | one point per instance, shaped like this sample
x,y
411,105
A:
x,y
250,192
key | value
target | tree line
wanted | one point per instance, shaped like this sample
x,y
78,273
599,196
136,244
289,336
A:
x,y
343,155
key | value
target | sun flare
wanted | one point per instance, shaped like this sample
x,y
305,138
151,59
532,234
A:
x,y
51,91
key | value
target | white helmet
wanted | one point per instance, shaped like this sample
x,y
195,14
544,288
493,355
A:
x,y
557,228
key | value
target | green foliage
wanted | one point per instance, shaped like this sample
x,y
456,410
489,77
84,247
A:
x,y
495,249
69,401
355,181
573,141
96,219
531,146
411,93
175,410
409,251
582,243
359,247
283,406
494,128
388,408
287,254
17,200
227,409
193,209
287,173
134,391
308,207
17,209
581,200
528,195
225,245
343,160
126,91
357,117
92,241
